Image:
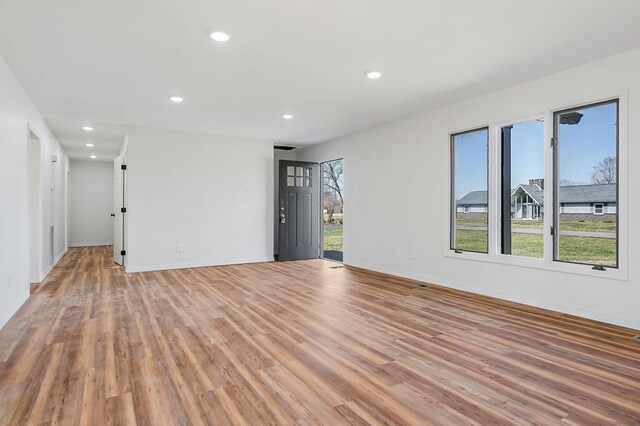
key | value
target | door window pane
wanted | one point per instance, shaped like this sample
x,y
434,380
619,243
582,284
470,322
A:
x,y
522,198
586,162
469,177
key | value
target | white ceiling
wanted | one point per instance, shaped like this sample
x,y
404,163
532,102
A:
x,y
107,139
114,63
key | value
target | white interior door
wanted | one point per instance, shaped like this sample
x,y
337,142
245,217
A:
x,y
118,203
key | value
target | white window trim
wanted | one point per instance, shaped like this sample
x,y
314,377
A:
x,y
595,209
547,262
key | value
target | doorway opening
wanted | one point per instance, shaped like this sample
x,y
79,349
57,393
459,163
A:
x,y
35,208
333,210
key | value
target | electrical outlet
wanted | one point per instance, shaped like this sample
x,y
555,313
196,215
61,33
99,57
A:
x,y
413,254
398,252
179,248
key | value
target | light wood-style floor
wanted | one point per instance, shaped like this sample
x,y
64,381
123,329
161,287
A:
x,y
300,342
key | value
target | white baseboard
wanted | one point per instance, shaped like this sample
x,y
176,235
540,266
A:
x,y
7,314
194,264
46,272
511,297
92,244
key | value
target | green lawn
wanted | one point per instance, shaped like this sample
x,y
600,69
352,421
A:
x,y
472,240
565,225
471,222
333,239
600,251
531,245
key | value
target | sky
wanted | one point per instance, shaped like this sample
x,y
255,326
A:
x,y
471,162
581,146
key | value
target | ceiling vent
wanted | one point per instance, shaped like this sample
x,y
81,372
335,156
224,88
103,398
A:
x,y
284,147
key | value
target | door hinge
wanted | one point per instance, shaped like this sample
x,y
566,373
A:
x,y
123,167
123,210
553,142
123,252
552,231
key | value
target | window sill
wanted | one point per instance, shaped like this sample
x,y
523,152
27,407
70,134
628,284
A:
x,y
544,264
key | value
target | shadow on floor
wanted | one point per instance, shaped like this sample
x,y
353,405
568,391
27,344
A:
x,y
333,255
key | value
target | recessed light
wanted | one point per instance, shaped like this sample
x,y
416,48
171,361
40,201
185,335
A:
x,y
87,128
90,145
287,116
220,36
374,75
176,99
93,156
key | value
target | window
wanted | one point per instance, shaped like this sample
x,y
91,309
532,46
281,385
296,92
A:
x,y
570,218
582,192
469,178
522,197
586,175
298,176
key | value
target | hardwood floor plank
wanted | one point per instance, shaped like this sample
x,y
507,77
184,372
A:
x,y
300,343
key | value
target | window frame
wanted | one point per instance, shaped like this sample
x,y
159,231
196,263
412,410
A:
x,y
556,181
499,175
453,207
546,263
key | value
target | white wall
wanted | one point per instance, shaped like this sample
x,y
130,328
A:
x,y
90,203
472,209
406,165
211,194
587,208
17,116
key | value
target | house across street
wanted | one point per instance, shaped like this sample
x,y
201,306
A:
x,y
595,202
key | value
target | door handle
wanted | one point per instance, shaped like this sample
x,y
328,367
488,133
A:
x,y
282,218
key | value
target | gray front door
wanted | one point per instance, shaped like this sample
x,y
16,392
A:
x,y
299,210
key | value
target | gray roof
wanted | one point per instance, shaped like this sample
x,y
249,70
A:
x,y
568,194
534,191
474,198
588,193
